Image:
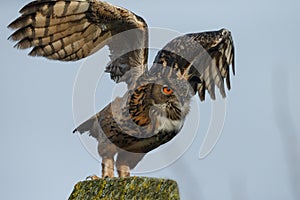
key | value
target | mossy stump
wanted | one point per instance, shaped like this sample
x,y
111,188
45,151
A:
x,y
126,188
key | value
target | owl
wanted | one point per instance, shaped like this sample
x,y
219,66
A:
x,y
153,109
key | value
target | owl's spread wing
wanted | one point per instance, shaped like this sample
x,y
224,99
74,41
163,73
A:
x,y
70,30
203,59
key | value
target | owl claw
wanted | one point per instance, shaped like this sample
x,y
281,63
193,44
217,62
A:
x,y
92,177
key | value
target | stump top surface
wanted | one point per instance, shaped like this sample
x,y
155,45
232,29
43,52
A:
x,y
126,188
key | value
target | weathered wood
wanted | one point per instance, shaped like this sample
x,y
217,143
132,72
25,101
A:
x,y
126,188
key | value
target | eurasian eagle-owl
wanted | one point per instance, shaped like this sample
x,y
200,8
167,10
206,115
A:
x,y
154,108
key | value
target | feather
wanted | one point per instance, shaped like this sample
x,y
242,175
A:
x,y
209,53
70,30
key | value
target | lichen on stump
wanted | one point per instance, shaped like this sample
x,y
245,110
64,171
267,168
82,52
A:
x,y
126,188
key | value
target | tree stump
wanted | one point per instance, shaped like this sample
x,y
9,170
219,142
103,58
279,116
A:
x,y
126,188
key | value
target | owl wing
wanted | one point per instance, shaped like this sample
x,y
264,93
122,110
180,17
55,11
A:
x,y
69,30
203,59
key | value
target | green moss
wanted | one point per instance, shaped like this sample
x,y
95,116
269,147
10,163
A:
x,y
126,188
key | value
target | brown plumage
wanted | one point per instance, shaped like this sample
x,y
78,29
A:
x,y
154,108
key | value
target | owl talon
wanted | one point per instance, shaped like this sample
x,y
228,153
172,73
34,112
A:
x,y
91,178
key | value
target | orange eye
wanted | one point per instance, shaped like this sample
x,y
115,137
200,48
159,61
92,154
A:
x,y
167,91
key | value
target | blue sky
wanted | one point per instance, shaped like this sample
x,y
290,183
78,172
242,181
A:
x,y
257,155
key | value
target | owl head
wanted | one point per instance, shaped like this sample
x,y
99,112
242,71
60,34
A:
x,y
160,94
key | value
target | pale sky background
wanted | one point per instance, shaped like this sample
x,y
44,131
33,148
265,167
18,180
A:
x,y
258,154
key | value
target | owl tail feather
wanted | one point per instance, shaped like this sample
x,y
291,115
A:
x,y
91,125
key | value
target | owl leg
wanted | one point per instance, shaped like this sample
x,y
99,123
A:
x,y
126,161
107,167
122,168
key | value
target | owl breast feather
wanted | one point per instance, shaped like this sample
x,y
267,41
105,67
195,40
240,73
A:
x,y
167,124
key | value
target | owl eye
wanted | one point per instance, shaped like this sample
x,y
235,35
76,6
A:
x,y
166,90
